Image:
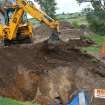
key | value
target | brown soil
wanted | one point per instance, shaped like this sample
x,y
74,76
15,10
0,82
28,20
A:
x,y
32,72
67,31
65,25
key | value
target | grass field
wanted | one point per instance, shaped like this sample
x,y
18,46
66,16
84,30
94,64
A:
x,y
7,101
97,47
73,18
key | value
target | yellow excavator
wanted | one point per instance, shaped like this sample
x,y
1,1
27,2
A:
x,y
17,29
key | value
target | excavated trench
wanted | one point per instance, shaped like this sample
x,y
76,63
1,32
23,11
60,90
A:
x,y
32,72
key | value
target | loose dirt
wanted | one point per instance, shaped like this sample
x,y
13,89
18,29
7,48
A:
x,y
32,72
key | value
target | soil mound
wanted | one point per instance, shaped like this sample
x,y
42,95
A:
x,y
31,71
67,32
65,25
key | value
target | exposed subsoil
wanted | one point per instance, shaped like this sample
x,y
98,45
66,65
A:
x,y
32,72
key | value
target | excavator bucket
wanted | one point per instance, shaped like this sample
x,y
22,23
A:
x,y
53,40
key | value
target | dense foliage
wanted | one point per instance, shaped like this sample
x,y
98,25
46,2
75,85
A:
x,y
96,15
49,6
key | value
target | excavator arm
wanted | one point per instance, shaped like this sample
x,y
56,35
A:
x,y
11,31
14,23
15,31
42,17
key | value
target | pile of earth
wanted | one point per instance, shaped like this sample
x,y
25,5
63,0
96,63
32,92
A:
x,y
67,31
32,72
65,25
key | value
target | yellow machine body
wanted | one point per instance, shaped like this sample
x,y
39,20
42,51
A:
x,y
16,30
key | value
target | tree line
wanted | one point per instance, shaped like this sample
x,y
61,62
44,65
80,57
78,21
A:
x,y
95,15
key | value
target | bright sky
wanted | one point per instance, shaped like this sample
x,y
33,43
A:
x,y
69,6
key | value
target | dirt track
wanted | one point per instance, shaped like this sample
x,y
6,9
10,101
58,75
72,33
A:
x,y
28,72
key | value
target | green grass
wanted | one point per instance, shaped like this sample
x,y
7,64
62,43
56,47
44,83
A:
x,y
97,47
76,17
7,101
91,49
80,20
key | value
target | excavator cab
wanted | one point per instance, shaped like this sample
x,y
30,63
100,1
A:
x,y
8,13
24,31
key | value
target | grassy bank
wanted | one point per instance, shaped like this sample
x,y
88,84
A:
x,y
98,44
7,101
73,18
77,18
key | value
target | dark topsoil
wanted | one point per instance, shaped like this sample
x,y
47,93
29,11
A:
x,y
32,72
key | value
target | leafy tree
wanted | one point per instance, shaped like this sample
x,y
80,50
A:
x,y
49,6
96,15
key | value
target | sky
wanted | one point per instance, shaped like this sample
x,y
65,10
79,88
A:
x,y
68,6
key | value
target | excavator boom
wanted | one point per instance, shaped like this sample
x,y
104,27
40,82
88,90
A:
x,y
38,14
15,21
13,33
43,18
